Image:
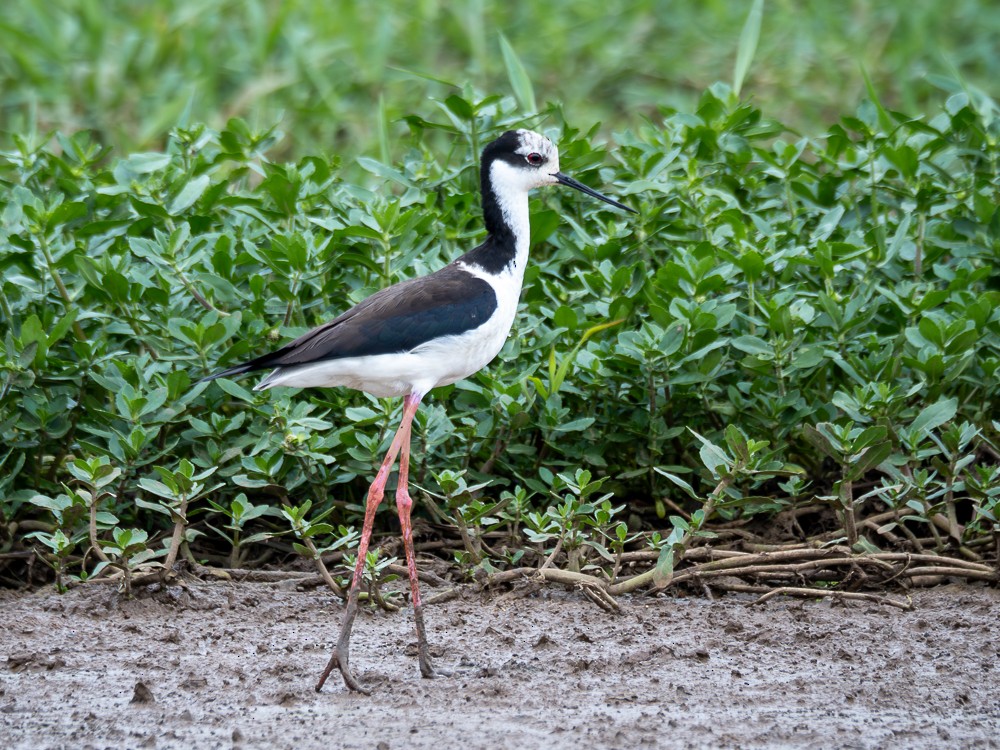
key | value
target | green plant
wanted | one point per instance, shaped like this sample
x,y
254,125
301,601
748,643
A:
x,y
576,521
127,551
95,476
471,515
177,489
742,458
239,513
856,451
831,294
61,547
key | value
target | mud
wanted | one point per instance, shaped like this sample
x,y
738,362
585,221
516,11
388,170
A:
x,y
233,665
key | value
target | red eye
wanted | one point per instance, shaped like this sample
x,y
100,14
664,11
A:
x,y
534,159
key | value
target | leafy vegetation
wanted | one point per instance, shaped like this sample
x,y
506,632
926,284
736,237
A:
x,y
788,323
795,346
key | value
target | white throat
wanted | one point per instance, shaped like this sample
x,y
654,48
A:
x,y
512,197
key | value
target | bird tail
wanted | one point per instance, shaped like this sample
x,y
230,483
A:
x,y
228,372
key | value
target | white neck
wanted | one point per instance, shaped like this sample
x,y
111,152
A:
x,y
512,198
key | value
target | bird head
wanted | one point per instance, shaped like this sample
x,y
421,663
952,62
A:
x,y
520,160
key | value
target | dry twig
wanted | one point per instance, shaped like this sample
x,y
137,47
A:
x,y
811,593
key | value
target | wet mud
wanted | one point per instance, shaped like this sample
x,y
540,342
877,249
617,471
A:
x,y
225,665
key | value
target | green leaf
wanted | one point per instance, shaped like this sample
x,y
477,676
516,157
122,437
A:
x,y
867,459
361,414
460,107
520,83
827,224
235,390
933,416
157,488
156,507
748,45
820,440
737,442
885,122
931,330
753,345
663,573
190,193
565,317
386,172
712,456
62,327
575,425
678,481
146,163
54,504
869,436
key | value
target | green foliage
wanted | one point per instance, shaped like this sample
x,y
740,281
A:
x,y
309,530
131,71
787,318
576,519
127,550
239,513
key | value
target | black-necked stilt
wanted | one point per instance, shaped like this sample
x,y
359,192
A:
x,y
424,333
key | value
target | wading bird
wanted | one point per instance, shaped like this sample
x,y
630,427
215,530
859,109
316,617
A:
x,y
424,333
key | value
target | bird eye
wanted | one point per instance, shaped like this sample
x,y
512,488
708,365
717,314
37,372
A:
x,y
534,159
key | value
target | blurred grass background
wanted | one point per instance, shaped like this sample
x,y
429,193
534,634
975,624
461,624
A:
x,y
130,71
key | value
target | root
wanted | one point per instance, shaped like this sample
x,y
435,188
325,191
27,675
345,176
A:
x,y
836,571
811,593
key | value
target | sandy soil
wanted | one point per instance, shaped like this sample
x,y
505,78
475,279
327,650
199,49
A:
x,y
233,665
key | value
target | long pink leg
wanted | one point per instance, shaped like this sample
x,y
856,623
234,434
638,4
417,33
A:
x,y
404,505
341,652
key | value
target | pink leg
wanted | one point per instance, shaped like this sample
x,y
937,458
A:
x,y
341,652
404,505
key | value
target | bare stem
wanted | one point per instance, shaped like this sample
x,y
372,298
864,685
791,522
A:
x,y
321,567
850,519
176,539
63,292
93,529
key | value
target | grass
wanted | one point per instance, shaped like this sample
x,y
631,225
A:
x,y
329,71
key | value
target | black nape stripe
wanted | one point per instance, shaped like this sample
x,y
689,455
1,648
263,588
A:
x,y
500,247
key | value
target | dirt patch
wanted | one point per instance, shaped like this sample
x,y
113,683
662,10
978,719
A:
x,y
233,665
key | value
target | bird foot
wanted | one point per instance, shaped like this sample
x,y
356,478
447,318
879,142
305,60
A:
x,y
427,669
430,673
345,671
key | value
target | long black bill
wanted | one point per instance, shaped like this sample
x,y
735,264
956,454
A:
x,y
565,180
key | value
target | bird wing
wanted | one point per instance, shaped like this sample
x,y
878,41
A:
x,y
396,319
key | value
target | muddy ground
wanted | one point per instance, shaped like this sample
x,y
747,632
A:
x,y
233,665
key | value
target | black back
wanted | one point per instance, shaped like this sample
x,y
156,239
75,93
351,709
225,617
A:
x,y
396,319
